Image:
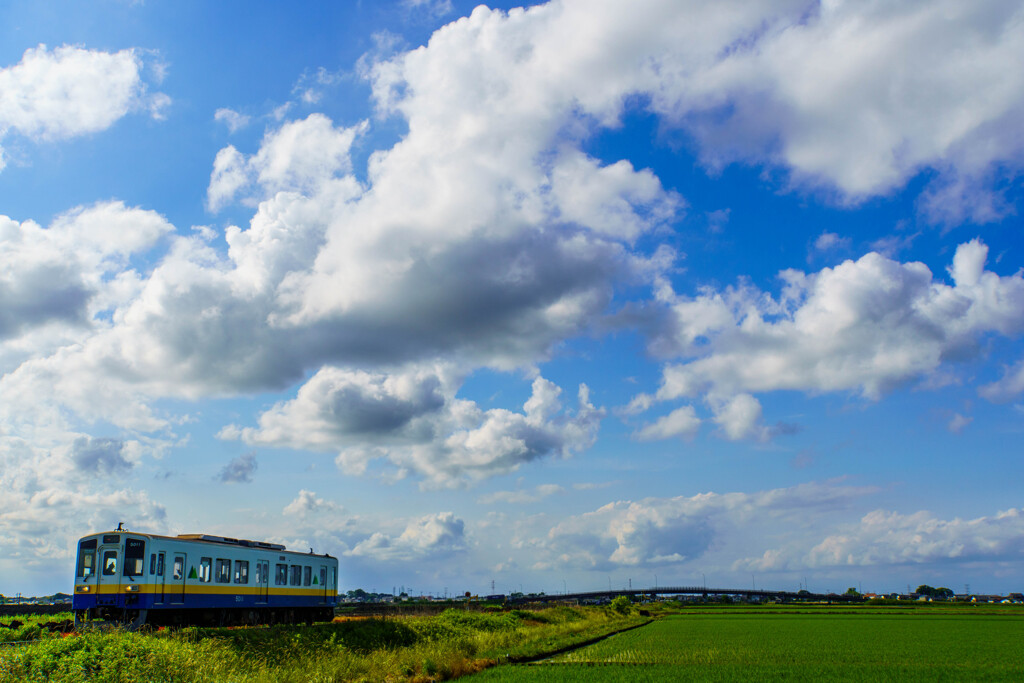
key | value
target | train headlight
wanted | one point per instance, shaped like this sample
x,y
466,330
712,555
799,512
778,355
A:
x,y
81,589
132,589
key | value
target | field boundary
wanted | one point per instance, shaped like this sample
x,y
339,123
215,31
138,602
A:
x,y
531,659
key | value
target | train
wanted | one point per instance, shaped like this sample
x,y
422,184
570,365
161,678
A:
x,y
137,579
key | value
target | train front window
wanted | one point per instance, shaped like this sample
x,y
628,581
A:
x,y
134,556
109,562
86,558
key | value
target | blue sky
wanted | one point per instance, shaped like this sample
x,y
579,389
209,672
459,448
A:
x,y
578,294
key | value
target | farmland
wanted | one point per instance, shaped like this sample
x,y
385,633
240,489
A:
x,y
847,644
700,643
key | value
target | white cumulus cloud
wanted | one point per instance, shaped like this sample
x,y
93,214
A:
x,y
70,91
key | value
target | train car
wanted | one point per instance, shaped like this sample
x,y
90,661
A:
x,y
198,579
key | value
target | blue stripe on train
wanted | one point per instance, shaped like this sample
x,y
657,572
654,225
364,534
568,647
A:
x,y
197,601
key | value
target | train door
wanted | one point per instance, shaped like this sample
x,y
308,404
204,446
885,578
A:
x,y
177,583
160,590
262,581
108,579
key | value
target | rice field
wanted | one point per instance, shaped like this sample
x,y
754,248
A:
x,y
843,645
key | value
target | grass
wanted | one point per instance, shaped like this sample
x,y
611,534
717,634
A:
x,y
452,644
799,644
32,627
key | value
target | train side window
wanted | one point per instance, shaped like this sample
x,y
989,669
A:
x,y
179,569
160,564
307,575
109,562
204,569
296,575
241,571
152,564
281,577
259,574
223,573
323,576
333,577
86,558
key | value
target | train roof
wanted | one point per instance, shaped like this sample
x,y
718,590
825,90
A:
x,y
222,540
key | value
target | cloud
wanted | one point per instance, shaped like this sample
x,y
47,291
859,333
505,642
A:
x,y
239,470
307,504
71,91
298,157
1008,387
77,266
885,538
414,421
866,326
682,422
234,120
856,98
435,8
861,97
428,537
537,494
740,418
829,241
668,531
101,456
958,423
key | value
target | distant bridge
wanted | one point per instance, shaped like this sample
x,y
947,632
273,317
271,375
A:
x,y
747,593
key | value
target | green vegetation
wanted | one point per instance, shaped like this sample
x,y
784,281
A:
x,y
807,644
26,627
941,593
446,646
703,642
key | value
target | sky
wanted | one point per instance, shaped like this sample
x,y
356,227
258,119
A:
x,y
569,297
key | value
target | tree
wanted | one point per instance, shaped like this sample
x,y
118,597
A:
x,y
621,604
925,589
852,591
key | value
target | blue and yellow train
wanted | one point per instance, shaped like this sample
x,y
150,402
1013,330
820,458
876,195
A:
x,y
197,579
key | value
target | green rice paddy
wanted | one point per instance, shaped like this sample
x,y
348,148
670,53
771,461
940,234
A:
x,y
840,645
